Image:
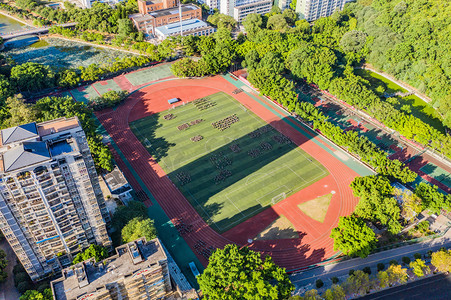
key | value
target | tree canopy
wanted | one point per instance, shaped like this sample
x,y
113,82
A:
x,y
137,228
94,251
353,237
240,273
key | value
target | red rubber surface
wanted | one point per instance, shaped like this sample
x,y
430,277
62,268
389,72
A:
x,y
314,243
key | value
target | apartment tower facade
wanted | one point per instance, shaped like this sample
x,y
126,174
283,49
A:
x,y
51,204
315,9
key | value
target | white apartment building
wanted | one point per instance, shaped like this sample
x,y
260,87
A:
x,y
315,9
212,4
239,9
51,204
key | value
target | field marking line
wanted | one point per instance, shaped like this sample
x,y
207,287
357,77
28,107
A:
x,y
201,206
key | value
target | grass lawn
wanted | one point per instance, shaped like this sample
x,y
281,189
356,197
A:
x,y
281,228
420,109
316,208
230,175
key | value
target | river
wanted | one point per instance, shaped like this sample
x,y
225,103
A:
x,y
53,52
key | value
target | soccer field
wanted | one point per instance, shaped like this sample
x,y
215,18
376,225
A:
x,y
228,163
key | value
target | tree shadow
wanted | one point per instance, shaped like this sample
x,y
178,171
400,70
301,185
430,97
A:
x,y
221,168
145,131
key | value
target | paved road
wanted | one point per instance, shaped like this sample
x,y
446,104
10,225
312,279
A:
x,y
431,288
7,289
308,278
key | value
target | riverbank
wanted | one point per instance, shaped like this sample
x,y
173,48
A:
x,y
25,22
95,45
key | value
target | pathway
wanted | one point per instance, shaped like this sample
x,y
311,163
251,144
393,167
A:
x,y
308,278
7,289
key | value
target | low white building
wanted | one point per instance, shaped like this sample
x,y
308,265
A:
x,y
194,27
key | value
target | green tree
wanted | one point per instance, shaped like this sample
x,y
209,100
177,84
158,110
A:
x,y
353,237
442,260
68,78
312,295
137,228
271,61
124,27
125,213
234,273
18,112
35,295
277,22
432,199
94,251
353,41
383,279
336,292
32,77
222,21
396,274
358,283
252,24
420,268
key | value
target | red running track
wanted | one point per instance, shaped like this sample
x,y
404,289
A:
x,y
314,243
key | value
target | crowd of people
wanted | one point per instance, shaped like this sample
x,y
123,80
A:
x,y
203,103
222,176
202,249
183,178
169,117
225,123
197,138
282,139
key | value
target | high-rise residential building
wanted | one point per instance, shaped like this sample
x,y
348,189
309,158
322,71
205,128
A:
x,y
51,204
239,9
315,9
139,270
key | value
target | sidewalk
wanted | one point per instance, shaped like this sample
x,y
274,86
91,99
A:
x,y
325,273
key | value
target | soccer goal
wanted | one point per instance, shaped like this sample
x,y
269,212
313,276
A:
x,y
147,143
278,198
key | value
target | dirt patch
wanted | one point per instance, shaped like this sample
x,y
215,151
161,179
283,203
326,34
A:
x,y
281,228
316,208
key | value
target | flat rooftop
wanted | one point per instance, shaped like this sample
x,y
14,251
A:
x,y
127,261
115,179
187,25
173,10
140,17
57,125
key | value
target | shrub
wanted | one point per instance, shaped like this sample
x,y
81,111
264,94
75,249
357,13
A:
x,y
417,255
406,260
24,286
319,283
367,270
380,266
351,272
335,280
393,262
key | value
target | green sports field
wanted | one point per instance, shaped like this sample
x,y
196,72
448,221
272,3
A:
x,y
227,175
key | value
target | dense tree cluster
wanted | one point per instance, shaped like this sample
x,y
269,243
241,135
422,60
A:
x,y
240,273
109,99
353,237
410,40
377,203
101,16
217,51
432,199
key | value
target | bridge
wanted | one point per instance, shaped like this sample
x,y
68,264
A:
x,y
33,31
